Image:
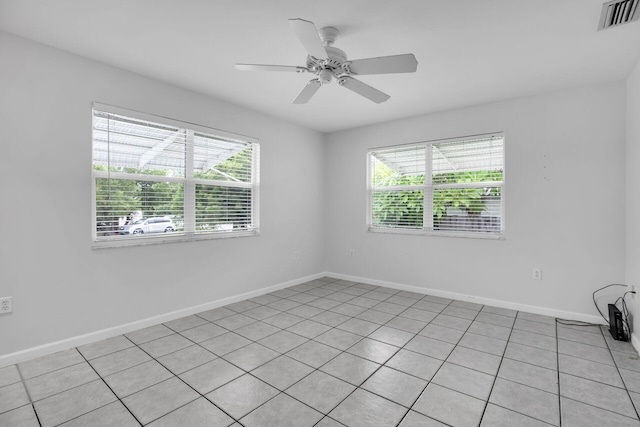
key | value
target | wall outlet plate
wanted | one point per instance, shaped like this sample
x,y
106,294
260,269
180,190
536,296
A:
x,y
6,305
537,274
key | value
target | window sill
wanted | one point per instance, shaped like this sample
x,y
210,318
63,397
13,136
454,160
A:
x,y
415,232
119,242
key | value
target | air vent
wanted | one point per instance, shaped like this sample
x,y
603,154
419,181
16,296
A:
x,y
618,12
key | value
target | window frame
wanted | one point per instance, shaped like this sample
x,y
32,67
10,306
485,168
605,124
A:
x,y
428,189
189,182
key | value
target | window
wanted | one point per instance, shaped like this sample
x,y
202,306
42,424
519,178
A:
x,y
158,179
451,187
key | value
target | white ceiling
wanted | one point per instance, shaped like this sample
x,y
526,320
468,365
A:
x,y
469,51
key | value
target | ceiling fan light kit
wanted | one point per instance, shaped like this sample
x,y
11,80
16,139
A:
x,y
327,62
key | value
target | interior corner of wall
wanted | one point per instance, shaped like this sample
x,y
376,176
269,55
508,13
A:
x,y
635,341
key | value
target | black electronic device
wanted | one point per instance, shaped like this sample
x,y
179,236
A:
x,y
616,326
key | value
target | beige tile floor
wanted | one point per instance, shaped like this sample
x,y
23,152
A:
x,y
335,353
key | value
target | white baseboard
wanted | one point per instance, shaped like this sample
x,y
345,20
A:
x,y
31,353
76,341
569,315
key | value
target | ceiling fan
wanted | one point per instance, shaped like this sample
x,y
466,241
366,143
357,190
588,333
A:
x,y
328,62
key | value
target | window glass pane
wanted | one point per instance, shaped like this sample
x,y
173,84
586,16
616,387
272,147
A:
x,y
397,209
222,159
476,160
221,208
123,144
467,209
129,207
398,166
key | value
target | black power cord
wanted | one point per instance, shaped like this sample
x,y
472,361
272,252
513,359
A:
x,y
625,311
575,323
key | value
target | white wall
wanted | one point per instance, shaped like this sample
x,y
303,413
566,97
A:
x,y
571,225
62,288
633,195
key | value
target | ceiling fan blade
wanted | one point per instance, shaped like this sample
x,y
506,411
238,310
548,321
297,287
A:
x,y
259,67
363,89
309,90
386,64
308,36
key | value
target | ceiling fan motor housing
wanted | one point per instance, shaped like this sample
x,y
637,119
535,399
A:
x,y
333,63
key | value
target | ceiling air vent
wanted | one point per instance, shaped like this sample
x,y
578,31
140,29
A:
x,y
619,12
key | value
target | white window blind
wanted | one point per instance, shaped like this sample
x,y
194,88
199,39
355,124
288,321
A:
x,y
398,176
441,187
155,180
223,171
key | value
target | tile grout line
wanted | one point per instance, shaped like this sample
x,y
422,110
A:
x,y
619,373
503,357
184,382
53,370
595,381
409,408
65,390
341,352
108,386
305,376
599,408
495,378
31,402
528,363
337,355
222,357
455,346
310,373
418,333
161,364
249,372
435,373
625,388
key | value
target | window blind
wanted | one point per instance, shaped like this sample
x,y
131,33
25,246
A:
x,y
223,169
152,179
398,180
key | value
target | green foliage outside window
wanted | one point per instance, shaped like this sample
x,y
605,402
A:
x,y
404,208
397,208
118,198
472,201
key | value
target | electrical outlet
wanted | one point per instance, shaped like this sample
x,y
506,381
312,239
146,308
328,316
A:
x,y
537,274
5,305
296,255
352,253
